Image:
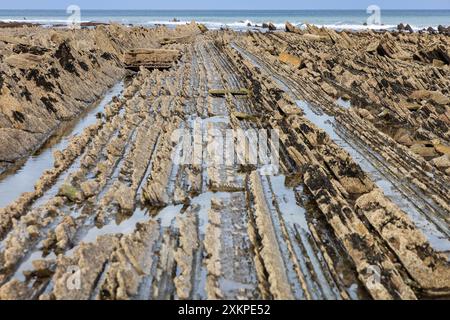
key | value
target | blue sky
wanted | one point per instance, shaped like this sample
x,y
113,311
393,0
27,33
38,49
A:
x,y
228,4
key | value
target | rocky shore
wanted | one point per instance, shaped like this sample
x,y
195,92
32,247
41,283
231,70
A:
x,y
358,210
49,76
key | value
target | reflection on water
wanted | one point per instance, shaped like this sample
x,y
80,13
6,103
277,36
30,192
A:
x,y
22,179
438,239
436,233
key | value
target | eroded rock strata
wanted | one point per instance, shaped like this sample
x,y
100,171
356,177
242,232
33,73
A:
x,y
358,209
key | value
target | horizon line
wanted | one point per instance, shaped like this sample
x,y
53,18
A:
x,y
353,9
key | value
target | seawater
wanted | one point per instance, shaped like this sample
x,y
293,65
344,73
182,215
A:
x,y
239,19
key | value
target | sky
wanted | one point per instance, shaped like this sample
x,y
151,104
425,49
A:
x,y
228,4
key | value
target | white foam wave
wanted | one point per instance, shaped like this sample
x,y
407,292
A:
x,y
249,24
236,25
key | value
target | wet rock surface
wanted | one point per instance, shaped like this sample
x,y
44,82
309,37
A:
x,y
50,76
358,209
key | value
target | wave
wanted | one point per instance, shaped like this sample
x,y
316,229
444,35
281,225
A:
x,y
214,25
248,24
39,21
357,27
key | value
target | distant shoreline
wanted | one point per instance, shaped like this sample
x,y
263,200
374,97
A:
x,y
239,20
227,10
402,27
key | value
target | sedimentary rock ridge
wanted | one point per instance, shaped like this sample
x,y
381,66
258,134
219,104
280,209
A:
x,y
358,208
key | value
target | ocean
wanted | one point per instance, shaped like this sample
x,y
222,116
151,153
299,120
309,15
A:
x,y
240,20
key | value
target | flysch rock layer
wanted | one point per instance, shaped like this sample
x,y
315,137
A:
x,y
48,77
117,217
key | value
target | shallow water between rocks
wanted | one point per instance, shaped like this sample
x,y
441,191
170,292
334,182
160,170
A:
x,y
21,179
436,236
